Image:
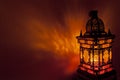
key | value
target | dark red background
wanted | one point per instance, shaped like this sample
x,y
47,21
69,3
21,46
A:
x,y
29,28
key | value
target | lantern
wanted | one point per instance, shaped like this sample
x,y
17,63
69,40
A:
x,y
95,49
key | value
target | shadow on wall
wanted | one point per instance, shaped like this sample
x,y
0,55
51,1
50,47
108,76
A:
x,y
24,64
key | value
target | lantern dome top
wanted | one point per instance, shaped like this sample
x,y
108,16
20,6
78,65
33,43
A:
x,y
95,28
94,25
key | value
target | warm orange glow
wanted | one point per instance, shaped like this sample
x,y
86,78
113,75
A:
x,y
47,32
109,69
96,57
109,40
85,46
95,46
96,68
82,68
57,38
91,58
105,45
106,66
110,55
96,60
86,66
52,37
105,56
101,41
82,41
90,71
90,42
100,58
102,72
86,56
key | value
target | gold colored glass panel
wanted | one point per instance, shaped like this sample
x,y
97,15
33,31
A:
x,y
86,56
96,60
95,46
82,41
105,56
91,58
110,55
105,45
109,40
85,46
96,57
101,41
101,58
90,42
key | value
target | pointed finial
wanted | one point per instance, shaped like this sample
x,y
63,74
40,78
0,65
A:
x,y
93,13
109,32
81,33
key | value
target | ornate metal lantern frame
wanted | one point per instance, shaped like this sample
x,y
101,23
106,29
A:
x,y
95,47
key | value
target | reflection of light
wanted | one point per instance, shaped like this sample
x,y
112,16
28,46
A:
x,y
56,38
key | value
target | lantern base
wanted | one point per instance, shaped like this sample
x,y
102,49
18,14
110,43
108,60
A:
x,y
82,75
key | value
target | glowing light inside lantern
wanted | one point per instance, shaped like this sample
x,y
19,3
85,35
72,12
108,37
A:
x,y
101,41
95,47
86,56
105,56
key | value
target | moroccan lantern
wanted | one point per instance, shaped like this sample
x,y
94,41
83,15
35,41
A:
x,y
95,49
